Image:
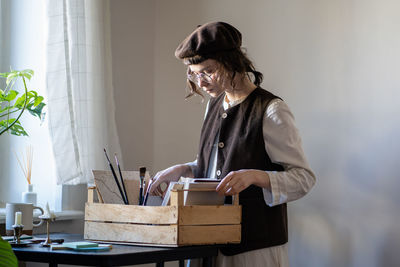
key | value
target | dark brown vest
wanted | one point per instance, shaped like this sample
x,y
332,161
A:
x,y
241,146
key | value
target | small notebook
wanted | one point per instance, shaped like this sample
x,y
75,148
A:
x,y
82,246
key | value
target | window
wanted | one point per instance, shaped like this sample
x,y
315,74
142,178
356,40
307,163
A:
x,y
23,28
80,96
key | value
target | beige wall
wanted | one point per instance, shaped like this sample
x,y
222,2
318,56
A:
x,y
132,33
336,63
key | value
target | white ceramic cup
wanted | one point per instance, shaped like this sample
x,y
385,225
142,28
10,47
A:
x,y
27,217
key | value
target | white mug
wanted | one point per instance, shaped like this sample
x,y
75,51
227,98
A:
x,y
27,217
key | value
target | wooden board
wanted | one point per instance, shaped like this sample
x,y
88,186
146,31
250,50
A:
x,y
170,235
209,234
203,215
131,213
154,234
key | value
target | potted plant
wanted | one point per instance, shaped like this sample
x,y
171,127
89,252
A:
x,y
12,107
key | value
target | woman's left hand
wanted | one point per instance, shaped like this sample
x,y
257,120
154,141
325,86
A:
x,y
237,181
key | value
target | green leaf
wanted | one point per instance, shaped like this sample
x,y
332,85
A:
x,y
32,94
11,95
3,123
16,129
20,102
36,111
6,122
11,76
38,100
26,73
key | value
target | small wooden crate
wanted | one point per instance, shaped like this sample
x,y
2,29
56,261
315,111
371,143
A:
x,y
173,225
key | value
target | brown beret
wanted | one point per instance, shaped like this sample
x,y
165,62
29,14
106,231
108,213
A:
x,y
209,38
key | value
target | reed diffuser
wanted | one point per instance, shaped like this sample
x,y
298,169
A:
x,y
25,162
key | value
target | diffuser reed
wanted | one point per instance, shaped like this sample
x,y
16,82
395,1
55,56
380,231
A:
x,y
25,162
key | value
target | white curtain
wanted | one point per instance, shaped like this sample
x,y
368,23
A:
x,y
80,93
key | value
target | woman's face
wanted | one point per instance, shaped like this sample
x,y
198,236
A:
x,y
205,75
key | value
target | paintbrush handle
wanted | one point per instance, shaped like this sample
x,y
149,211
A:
x,y
123,185
116,181
145,198
146,195
140,195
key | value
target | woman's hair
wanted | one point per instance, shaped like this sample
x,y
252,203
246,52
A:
x,y
233,62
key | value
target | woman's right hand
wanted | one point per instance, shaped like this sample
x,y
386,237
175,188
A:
x,y
172,174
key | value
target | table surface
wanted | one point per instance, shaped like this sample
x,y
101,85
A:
x,y
119,255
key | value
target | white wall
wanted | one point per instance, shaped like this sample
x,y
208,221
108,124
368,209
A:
x,y
336,63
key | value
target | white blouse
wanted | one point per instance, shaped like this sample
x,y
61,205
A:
x,y
283,145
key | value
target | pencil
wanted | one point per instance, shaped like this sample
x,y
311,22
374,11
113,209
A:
x,y
115,177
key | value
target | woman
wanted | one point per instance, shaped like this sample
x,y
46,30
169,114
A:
x,y
248,141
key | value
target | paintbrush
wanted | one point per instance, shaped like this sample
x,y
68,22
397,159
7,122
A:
x,y
142,172
115,177
122,179
147,192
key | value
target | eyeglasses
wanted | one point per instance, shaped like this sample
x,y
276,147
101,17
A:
x,y
197,77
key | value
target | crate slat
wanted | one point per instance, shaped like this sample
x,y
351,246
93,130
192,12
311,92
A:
x,y
131,213
137,233
205,215
209,234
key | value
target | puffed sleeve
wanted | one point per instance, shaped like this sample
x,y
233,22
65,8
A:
x,y
283,145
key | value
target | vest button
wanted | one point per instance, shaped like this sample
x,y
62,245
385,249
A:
x,y
221,145
218,173
224,115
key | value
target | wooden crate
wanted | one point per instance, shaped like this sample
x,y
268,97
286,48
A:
x,y
173,225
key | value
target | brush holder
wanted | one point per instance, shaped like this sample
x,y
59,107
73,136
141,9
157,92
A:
x,y
29,196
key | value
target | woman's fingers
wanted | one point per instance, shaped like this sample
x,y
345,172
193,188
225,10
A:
x,y
226,186
155,189
166,176
156,183
233,187
234,183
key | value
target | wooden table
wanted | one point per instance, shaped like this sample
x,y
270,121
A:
x,y
119,255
